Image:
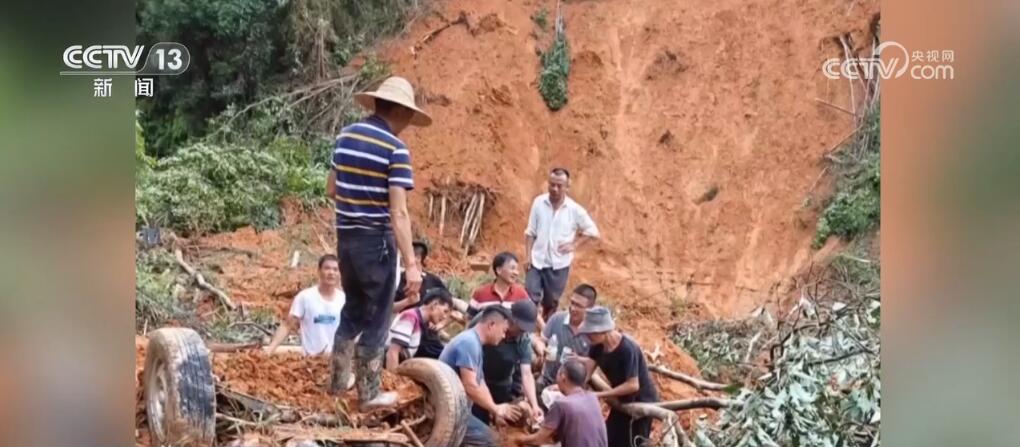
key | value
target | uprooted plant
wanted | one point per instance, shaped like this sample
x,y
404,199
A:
x,y
821,384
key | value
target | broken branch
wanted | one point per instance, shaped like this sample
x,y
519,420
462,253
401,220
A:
x,y
703,402
442,215
224,299
410,434
692,381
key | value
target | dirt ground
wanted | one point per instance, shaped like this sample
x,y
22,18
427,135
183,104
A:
x,y
694,133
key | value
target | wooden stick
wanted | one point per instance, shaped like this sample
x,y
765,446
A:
x,y
467,219
692,381
841,109
230,347
846,52
224,299
478,219
432,213
410,434
704,402
442,216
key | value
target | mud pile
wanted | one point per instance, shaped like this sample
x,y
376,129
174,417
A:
x,y
294,380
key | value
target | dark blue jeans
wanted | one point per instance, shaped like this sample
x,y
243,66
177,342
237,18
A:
x,y
479,434
368,273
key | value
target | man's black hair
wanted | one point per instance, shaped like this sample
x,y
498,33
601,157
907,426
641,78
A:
x,y
495,311
561,171
575,371
419,245
501,259
588,291
326,258
438,293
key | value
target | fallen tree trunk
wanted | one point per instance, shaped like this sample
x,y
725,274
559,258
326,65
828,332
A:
x,y
692,381
673,433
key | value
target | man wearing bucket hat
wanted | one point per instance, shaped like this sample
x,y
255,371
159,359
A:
x,y
369,182
620,358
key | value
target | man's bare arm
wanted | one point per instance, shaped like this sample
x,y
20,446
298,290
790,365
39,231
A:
x,y
631,386
477,392
282,332
529,241
582,240
393,357
401,219
542,437
331,184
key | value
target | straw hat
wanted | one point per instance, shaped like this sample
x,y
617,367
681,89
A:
x,y
396,90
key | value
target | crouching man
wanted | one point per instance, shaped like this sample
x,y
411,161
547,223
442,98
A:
x,y
574,420
464,354
315,311
409,328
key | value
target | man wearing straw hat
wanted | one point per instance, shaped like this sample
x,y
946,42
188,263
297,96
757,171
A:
x,y
369,182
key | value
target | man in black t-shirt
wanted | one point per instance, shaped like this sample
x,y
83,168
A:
x,y
620,358
431,345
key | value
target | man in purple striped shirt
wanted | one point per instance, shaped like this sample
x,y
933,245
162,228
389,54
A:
x,y
369,183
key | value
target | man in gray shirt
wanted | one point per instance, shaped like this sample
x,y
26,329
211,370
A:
x,y
575,420
561,335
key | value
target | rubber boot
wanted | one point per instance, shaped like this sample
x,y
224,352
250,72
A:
x,y
341,378
369,361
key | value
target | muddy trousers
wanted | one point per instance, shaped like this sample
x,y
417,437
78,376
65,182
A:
x,y
368,273
624,431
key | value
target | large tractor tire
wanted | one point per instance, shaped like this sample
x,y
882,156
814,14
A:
x,y
180,399
446,396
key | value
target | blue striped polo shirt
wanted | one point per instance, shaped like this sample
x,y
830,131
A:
x,y
368,159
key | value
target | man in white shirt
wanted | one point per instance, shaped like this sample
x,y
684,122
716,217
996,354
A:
x,y
552,238
316,310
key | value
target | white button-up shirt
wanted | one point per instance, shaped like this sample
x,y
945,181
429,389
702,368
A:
x,y
551,228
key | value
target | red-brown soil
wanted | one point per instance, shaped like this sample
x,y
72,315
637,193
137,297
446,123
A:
x,y
695,135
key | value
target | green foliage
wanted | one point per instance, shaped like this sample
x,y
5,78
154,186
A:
x,y
155,303
719,347
236,48
204,187
243,50
856,206
823,386
463,288
552,82
541,18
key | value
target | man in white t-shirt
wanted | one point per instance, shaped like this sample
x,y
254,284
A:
x,y
316,310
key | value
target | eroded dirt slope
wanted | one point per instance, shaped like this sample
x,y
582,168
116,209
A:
x,y
692,132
